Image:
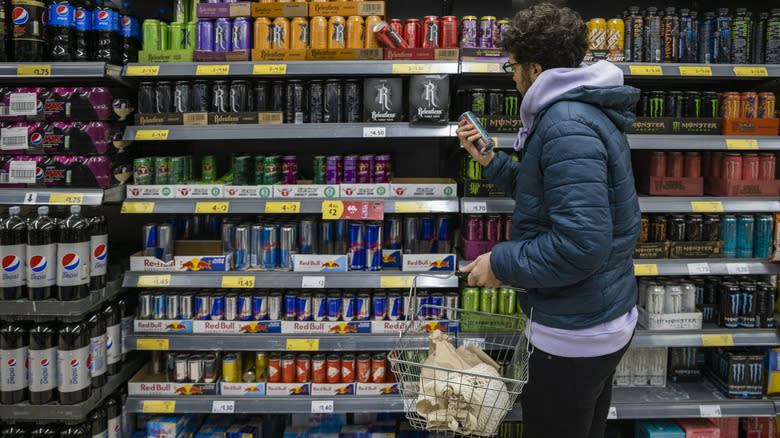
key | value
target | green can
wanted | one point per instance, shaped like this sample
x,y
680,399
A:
x,y
175,36
189,173
320,169
179,170
164,36
507,301
208,169
190,35
162,170
142,170
271,169
470,298
473,169
488,300
242,170
151,30
259,170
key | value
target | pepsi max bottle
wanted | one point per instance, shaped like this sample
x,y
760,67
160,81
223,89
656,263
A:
x,y
129,34
105,23
96,326
73,255
13,246
73,380
4,11
41,256
113,405
28,18
84,37
112,314
127,309
98,247
13,363
97,419
60,29
43,363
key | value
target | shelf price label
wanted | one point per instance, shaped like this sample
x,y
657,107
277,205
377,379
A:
x,y
741,144
699,269
269,69
154,280
212,207
152,344
717,340
152,134
283,207
478,342
374,132
303,345
137,207
159,407
612,414
406,68
143,70
393,282
355,210
223,407
696,71
710,411
34,70
751,71
706,207
309,282
738,269
481,67
646,270
322,406
475,207
411,207
646,70
66,198
212,70
332,210
238,282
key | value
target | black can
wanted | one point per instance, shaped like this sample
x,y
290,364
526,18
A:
x,y
261,96
691,104
315,101
220,97
146,98
333,100
493,103
710,106
671,27
711,228
656,103
643,105
765,301
748,305
201,97
759,41
477,101
654,39
694,225
295,102
722,37
676,228
239,96
673,104
658,227
182,97
163,97
730,294
353,108
278,96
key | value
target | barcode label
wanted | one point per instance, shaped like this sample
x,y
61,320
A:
x,y
13,138
5,111
22,172
373,8
450,53
23,104
3,177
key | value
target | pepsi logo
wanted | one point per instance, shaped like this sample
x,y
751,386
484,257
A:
x,y
109,342
20,15
115,103
11,263
102,16
74,363
45,363
116,428
36,138
38,172
38,106
61,10
12,363
89,361
125,21
38,263
70,261
100,252
81,17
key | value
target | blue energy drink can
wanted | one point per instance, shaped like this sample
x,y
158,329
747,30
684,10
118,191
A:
x,y
392,231
255,233
379,306
269,244
334,308
217,307
340,237
745,236
150,240
362,307
426,235
485,143
764,229
396,306
201,308
287,246
348,306
421,305
244,308
241,248
411,234
327,237
304,307
374,246
356,253
728,235
260,307
290,306
319,307
228,238
307,237
186,302
435,299
160,306
443,235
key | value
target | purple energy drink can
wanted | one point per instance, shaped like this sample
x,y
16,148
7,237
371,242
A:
x,y
223,32
493,228
474,229
350,169
507,227
365,174
206,35
333,169
290,307
487,29
320,307
356,253
201,308
392,231
382,169
260,307
373,251
289,169
469,32
334,308
241,34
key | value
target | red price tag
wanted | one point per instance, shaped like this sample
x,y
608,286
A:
x,y
354,210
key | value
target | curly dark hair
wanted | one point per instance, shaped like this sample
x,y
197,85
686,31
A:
x,y
551,36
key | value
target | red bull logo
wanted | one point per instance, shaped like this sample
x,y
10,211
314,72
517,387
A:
x,y
342,328
389,389
253,328
300,390
431,326
253,390
176,327
389,259
330,264
441,264
196,265
344,390
189,390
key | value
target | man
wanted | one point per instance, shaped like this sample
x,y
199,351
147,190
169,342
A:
x,y
575,223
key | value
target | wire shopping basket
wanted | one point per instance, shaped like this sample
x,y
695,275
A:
x,y
464,402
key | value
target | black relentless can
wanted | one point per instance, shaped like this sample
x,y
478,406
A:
x,y
220,96
710,106
711,228
730,294
200,102
677,228
656,104
261,96
146,98
765,299
278,96
643,105
182,97
353,110
694,225
476,101
163,97
239,96
673,104
493,103
691,104
333,100
296,101
747,305
315,101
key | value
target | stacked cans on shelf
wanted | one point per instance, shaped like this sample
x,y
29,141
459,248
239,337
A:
x,y
737,372
329,368
501,301
730,165
642,367
182,367
706,104
300,33
179,34
492,227
485,33
488,102
432,33
108,417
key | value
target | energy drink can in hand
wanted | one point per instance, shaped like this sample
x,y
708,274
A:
x,y
485,143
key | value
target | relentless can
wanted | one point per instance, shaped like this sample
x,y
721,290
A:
x,y
371,40
486,32
315,105
336,33
182,97
488,300
448,32
413,33
485,143
430,32
296,102
223,35
353,99
151,35
728,234
205,36
263,33
163,97
745,236
355,33
333,101
389,37
299,38
318,27
280,33
201,97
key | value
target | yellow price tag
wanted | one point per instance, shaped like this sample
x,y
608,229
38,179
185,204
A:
x,y
481,67
646,270
706,207
269,69
717,340
245,282
392,282
646,70
411,207
143,70
332,209
152,344
137,207
212,207
751,71
154,280
303,344
282,207
212,70
66,198
741,144
400,69
159,406
696,71
34,70
153,135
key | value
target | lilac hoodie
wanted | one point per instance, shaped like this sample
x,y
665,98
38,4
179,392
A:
x,y
610,336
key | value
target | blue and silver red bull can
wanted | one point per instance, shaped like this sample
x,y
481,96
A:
x,y
201,309
427,235
485,143
762,246
396,306
242,34
223,32
374,246
304,307
186,302
287,246
327,237
356,253
340,237
444,235
269,244
172,307
334,308
260,307
145,306
307,237
217,307
319,307
231,307
379,306
290,306
728,235
255,233
228,237
205,35
275,306
150,237
392,233
245,308
745,235
411,234
434,300
241,248
213,224
421,305
160,306
348,306
363,307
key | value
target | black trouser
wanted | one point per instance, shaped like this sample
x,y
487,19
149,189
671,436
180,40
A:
x,y
568,397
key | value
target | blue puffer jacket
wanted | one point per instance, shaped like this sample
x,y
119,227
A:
x,y
576,218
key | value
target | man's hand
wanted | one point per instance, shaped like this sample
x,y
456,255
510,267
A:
x,y
481,274
468,134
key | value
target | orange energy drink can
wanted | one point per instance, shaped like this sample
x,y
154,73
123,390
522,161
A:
x,y
263,33
730,105
337,33
615,29
597,34
300,33
356,33
749,107
766,105
371,41
318,33
266,1
281,31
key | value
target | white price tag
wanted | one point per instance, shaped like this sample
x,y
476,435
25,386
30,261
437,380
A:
x,y
14,138
23,104
30,197
22,172
223,407
738,269
710,411
376,131
612,414
308,282
475,207
698,268
479,342
322,406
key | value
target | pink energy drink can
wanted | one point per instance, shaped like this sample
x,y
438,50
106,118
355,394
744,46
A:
x,y
485,144
493,228
475,228
382,169
365,172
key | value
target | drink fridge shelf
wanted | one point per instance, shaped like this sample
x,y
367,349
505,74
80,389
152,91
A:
x,y
679,142
61,196
306,206
649,204
26,309
37,71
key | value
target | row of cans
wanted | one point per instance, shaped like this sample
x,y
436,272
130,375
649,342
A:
x,y
431,33
247,367
330,368
501,301
188,367
489,102
486,33
352,169
706,104
157,241
299,33
491,227
731,166
159,35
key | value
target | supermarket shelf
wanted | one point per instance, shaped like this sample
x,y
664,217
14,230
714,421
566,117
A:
x,y
677,142
61,309
77,412
651,204
269,405
743,337
294,280
59,70
716,266
307,206
299,68
38,196
199,342
287,131
487,205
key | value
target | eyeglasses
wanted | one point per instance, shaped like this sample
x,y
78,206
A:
x,y
509,67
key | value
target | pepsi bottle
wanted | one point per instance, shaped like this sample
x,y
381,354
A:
x,y
14,431
84,36
113,405
73,255
43,363
73,380
28,18
96,326
13,246
99,423
41,256
105,22
4,11
127,309
76,431
129,33
13,363
45,431
60,30
112,314
98,247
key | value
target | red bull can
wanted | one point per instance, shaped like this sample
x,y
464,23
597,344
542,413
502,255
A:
x,y
356,252
436,302
327,232
307,237
421,304
241,251
374,246
411,228
379,306
427,235
172,307
150,240
290,307
269,255
340,237
334,308
217,307
304,307
275,306
444,235
451,304
260,307
362,306
287,245
145,306
201,308
348,306
160,306
392,233
185,306
396,305
244,308
320,307
231,307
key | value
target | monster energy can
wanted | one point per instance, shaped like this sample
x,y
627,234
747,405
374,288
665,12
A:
x,y
691,104
656,103
477,101
470,298
507,301
511,103
488,300
178,170
710,105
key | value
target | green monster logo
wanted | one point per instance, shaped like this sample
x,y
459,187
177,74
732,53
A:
x,y
511,105
676,126
656,107
715,109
